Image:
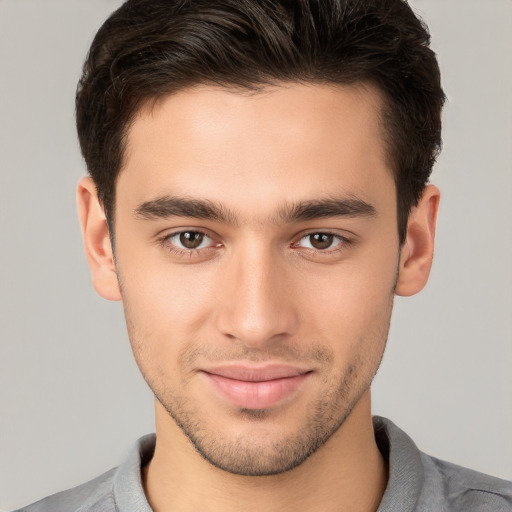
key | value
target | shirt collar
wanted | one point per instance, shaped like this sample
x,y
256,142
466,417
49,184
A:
x,y
406,474
127,485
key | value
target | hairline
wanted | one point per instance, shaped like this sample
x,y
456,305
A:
x,y
149,102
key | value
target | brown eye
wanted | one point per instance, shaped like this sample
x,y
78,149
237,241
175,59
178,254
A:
x,y
189,243
191,239
321,240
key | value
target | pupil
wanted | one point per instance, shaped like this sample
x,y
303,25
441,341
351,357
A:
x,y
191,239
321,240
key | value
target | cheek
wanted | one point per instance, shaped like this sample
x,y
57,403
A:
x,y
165,311
354,289
164,296
350,305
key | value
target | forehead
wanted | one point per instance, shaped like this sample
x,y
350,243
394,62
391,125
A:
x,y
289,142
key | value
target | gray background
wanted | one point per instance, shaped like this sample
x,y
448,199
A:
x,y
72,401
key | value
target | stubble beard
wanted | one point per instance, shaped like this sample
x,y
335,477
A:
x,y
243,455
249,455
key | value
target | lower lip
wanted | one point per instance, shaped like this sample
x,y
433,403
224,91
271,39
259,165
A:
x,y
256,395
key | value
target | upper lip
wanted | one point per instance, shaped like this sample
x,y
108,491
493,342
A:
x,y
250,373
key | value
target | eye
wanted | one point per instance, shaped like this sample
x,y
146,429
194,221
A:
x,y
320,241
189,240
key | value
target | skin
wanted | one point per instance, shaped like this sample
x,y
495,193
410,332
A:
x,y
260,290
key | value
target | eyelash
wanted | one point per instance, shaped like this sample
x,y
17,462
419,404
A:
x,y
343,243
165,242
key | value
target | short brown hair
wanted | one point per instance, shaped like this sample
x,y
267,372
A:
x,y
151,48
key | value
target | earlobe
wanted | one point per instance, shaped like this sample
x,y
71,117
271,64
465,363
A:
x,y
418,250
98,247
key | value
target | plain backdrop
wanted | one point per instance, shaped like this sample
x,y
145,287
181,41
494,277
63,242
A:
x,y
72,401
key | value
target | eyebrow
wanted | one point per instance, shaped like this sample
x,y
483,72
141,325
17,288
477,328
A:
x,y
330,207
171,206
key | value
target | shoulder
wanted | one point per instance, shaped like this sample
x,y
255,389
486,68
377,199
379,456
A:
x,y
423,483
95,495
467,489
118,489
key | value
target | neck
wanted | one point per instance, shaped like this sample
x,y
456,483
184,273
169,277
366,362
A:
x,y
347,472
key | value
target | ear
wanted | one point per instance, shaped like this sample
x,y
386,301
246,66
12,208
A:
x,y
418,250
98,248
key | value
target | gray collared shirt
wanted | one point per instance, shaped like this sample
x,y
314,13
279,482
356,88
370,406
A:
x,y
417,482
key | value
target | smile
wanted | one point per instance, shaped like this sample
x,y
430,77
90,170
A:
x,y
256,388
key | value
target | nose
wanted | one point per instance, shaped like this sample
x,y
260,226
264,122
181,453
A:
x,y
255,303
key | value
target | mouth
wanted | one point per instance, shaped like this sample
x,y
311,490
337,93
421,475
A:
x,y
252,387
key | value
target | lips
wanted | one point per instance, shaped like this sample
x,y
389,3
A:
x,y
256,387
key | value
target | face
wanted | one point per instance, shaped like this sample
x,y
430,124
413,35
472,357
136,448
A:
x,y
257,253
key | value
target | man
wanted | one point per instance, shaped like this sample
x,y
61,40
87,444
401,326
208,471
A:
x,y
258,194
